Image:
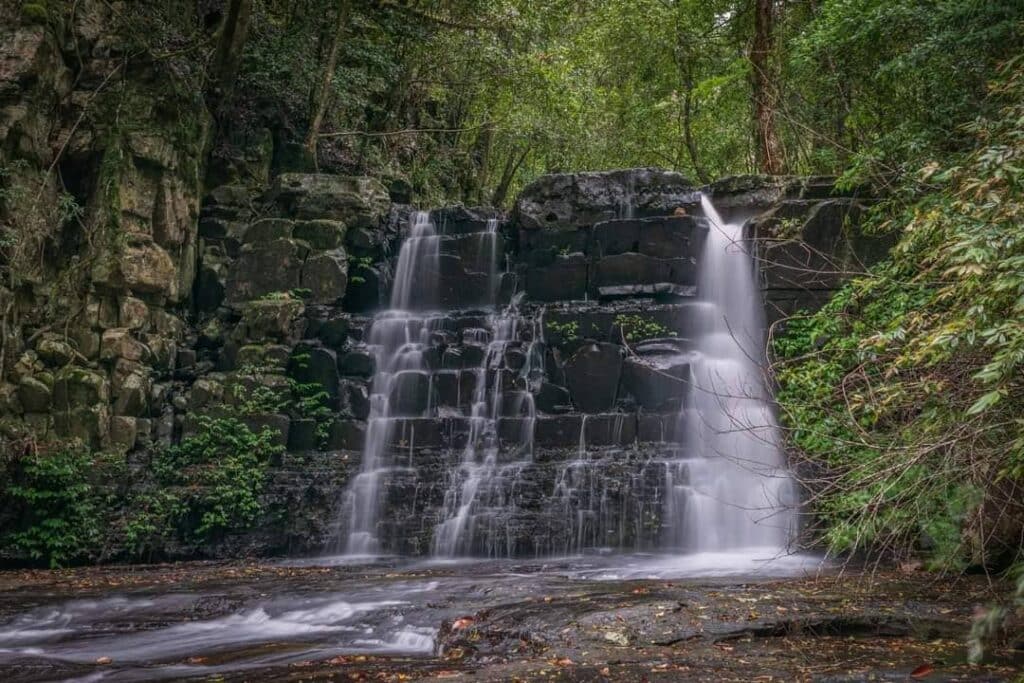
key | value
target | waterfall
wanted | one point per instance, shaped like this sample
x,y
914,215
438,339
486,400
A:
x,y
730,488
397,338
480,492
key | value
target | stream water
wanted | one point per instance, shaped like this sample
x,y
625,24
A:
x,y
296,611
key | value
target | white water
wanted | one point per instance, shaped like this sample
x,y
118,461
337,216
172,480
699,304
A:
x,y
731,489
480,493
398,338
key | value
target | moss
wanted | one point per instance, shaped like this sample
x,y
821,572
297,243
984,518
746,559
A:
x,y
35,13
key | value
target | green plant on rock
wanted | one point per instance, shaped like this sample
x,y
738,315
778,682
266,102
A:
x,y
637,328
208,484
356,264
567,331
56,508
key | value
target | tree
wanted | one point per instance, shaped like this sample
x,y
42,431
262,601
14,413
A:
x,y
233,34
769,152
323,93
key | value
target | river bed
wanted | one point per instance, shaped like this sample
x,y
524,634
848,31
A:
x,y
737,616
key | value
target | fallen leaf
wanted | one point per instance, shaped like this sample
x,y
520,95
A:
x,y
922,671
196,660
606,672
462,622
104,660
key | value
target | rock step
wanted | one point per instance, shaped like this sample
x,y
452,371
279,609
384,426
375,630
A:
x,y
416,434
659,237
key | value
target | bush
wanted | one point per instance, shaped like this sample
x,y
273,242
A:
x,y
56,509
907,384
207,485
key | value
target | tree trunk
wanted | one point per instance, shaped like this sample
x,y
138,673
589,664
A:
x,y
769,155
323,95
233,34
691,143
512,165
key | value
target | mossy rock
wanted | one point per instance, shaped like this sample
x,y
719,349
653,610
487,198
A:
x,y
35,13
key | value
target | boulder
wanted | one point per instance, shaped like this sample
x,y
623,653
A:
x,y
367,290
278,319
277,424
124,432
551,398
632,270
593,375
557,431
325,275
347,435
54,351
570,201
130,388
460,220
358,362
321,235
302,435
563,280
410,393
268,230
656,383
119,343
78,387
662,237
357,398
90,424
315,365
264,269
356,201
133,313
35,395
142,266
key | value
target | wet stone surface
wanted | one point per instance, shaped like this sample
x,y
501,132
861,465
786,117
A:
x,y
629,618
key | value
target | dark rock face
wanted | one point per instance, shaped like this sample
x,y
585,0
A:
x,y
593,373
573,201
655,385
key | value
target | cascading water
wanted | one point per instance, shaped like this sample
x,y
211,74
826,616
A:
x,y
398,338
480,492
725,488
730,490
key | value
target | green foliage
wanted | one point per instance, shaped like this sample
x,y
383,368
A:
x,y
207,485
882,85
565,332
637,328
57,504
907,384
357,264
35,13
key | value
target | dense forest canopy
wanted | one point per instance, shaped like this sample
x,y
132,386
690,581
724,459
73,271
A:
x,y
467,100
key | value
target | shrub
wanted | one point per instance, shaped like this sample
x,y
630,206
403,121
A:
x,y
57,511
207,485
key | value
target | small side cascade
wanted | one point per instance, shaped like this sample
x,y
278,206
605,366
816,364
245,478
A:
x,y
480,493
730,488
398,338
601,502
